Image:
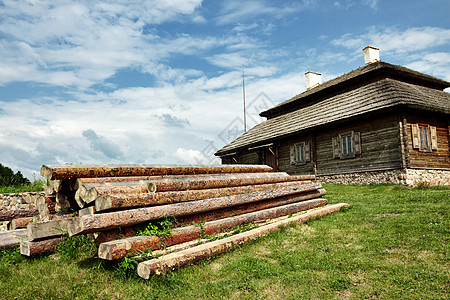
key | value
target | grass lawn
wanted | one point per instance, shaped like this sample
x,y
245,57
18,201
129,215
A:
x,y
393,243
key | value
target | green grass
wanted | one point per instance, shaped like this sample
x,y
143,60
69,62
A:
x,y
392,243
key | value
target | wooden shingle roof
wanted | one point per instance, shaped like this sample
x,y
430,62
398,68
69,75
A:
x,y
376,95
370,72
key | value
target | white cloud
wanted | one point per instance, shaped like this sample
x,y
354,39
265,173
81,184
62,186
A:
x,y
419,48
433,63
409,40
81,43
189,156
242,11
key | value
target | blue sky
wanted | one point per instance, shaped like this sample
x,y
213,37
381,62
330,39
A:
x,y
161,81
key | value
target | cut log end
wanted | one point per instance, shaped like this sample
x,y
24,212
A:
x,y
104,252
25,248
143,271
151,187
103,203
75,226
46,172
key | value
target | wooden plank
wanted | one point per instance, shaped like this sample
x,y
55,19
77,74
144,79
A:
x,y
11,238
129,200
195,254
120,248
99,222
52,172
29,248
47,229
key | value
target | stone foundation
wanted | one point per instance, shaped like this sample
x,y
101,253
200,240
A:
x,y
409,177
424,178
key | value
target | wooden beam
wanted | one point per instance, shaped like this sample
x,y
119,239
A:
x,y
29,248
99,222
52,172
195,254
120,248
47,229
129,200
11,238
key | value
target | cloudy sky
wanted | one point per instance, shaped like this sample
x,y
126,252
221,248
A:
x,y
161,81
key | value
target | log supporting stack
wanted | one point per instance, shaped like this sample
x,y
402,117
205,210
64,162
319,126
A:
x,y
114,201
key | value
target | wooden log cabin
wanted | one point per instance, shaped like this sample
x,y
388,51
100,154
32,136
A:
x,y
378,123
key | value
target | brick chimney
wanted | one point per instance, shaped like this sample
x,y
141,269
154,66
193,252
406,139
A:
x,y
371,55
312,79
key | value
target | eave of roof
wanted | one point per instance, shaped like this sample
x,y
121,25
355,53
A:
x,y
365,73
375,96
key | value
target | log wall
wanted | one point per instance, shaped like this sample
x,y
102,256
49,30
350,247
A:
x,y
436,159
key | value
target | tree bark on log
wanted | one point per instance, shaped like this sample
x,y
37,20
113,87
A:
x,y
237,210
115,234
195,254
99,222
247,208
8,215
20,222
118,249
52,172
165,185
110,181
118,201
28,248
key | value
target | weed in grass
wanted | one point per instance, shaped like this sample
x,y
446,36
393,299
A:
x,y
243,227
161,228
76,247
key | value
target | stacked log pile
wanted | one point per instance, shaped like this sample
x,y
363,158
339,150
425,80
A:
x,y
110,202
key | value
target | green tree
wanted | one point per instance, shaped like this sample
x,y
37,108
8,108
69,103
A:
x,y
8,177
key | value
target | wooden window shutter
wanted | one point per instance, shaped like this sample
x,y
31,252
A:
x,y
356,142
336,148
307,148
292,157
415,136
434,143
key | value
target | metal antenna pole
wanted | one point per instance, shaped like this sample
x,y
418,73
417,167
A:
x,y
243,93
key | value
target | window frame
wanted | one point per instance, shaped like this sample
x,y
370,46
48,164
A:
x,y
346,145
300,153
424,137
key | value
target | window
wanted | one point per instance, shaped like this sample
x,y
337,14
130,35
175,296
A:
x,y
424,137
346,145
300,153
